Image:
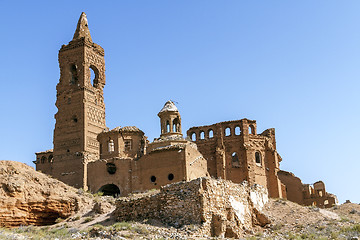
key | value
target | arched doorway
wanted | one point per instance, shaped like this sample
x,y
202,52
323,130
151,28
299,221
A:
x,y
110,190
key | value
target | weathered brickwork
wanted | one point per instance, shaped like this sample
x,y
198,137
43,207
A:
x,y
306,194
222,208
236,152
120,161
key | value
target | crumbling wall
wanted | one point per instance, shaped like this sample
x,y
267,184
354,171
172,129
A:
x,y
306,194
221,207
234,151
294,186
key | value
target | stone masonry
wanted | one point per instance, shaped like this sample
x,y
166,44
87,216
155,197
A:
x,y
88,155
222,208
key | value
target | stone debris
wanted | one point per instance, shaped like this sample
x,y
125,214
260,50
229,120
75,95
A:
x,y
220,207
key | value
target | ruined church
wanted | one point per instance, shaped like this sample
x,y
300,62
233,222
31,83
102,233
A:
x,y
88,155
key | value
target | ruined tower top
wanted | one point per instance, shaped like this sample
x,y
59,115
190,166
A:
x,y
170,120
169,107
82,29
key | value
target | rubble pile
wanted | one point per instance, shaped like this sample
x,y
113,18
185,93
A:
x,y
222,208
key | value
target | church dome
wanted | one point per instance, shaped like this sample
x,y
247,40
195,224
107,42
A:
x,y
169,107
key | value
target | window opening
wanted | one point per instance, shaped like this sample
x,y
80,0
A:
x,y
153,179
94,78
176,125
74,77
211,133
111,168
237,130
202,135
235,162
171,177
127,144
251,129
227,131
43,159
193,137
111,146
258,158
167,126
50,159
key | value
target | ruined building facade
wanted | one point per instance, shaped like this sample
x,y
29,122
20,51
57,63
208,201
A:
x,y
88,155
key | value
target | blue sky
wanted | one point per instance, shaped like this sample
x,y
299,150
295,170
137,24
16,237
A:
x,y
290,65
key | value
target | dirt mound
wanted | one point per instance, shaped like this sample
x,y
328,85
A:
x,y
30,197
292,221
348,211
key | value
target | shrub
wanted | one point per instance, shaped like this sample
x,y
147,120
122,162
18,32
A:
x,y
88,219
121,226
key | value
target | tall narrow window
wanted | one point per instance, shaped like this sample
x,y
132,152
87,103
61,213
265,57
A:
x,y
193,136
94,76
251,129
258,158
237,130
202,135
211,133
127,144
235,162
167,126
227,131
176,125
50,159
111,146
74,76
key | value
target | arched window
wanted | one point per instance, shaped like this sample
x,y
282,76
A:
x,y
73,73
94,76
50,159
235,162
111,146
227,131
171,177
167,126
176,125
193,136
202,135
237,130
251,129
258,158
43,159
211,133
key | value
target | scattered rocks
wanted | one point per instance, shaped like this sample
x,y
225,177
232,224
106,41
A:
x,y
221,207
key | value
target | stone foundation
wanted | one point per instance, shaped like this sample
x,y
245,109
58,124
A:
x,y
222,208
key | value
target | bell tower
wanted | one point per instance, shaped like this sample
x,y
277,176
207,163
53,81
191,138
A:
x,y
80,103
170,120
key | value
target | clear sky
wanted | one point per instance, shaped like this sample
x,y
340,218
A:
x,y
290,65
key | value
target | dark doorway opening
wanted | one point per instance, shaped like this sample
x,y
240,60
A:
x,y
110,190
